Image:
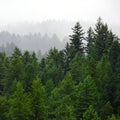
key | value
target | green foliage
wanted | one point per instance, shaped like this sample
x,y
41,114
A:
x,y
103,39
19,104
61,98
82,81
38,101
114,53
106,110
76,68
53,69
117,86
3,108
3,72
87,94
69,54
15,70
77,38
104,74
31,69
90,114
90,40
113,117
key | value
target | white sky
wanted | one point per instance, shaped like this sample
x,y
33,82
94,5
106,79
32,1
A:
x,y
12,11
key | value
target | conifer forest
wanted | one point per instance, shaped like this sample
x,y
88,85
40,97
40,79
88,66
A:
x,y
79,82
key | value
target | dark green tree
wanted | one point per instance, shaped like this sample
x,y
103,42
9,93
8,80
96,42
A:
x,y
105,84
19,104
3,72
117,87
87,94
101,35
16,69
90,114
114,53
113,117
69,53
90,40
77,38
104,78
31,69
76,67
3,108
62,98
39,111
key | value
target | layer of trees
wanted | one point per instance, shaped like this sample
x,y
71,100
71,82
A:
x,y
31,42
80,82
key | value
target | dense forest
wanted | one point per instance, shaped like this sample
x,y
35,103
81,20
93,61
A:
x,y
80,82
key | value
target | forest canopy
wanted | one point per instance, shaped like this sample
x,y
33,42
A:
x,y
79,82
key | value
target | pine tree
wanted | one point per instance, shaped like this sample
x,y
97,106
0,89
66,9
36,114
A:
x,y
19,104
38,101
113,117
69,53
90,40
114,53
101,34
105,110
87,94
77,38
76,67
90,114
31,70
117,87
62,98
3,108
105,84
15,69
104,78
3,72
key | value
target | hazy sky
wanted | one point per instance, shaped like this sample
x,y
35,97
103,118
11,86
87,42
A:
x,y
12,11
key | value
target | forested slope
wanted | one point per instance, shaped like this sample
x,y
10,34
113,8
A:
x,y
80,82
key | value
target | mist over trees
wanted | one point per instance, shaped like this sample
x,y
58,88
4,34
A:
x,y
31,42
78,82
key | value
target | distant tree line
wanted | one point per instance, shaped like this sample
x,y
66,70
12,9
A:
x,y
80,82
30,42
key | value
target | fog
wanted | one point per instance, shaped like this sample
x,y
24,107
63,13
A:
x,y
12,11
42,24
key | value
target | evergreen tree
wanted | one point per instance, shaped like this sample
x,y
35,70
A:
x,y
90,114
3,72
110,39
105,110
104,78
105,83
19,104
61,100
91,67
41,70
101,34
69,53
113,117
116,85
15,69
77,38
54,72
76,67
3,108
38,101
114,53
87,94
90,40
31,69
